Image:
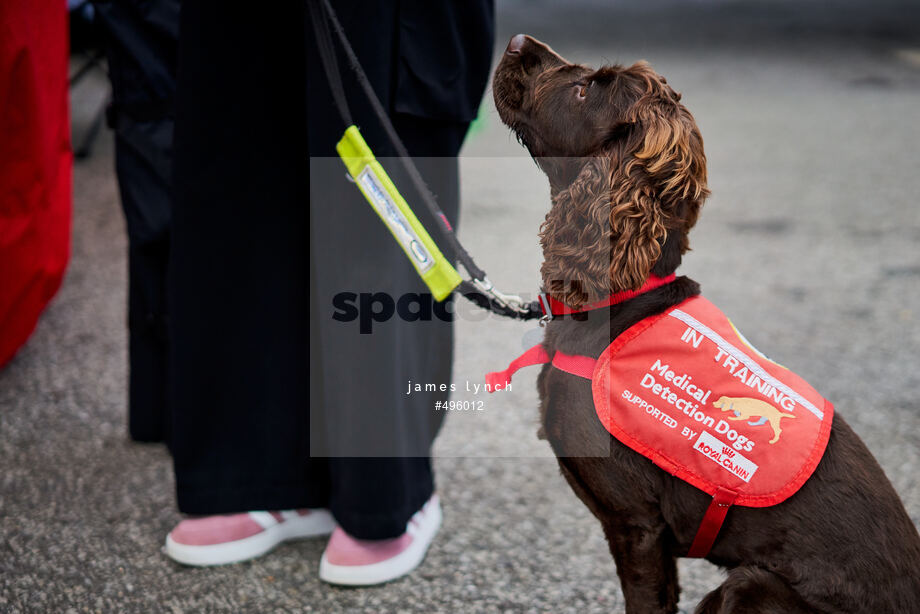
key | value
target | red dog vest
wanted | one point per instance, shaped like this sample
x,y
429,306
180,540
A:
x,y
686,390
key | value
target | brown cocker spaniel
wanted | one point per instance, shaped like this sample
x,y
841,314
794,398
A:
x,y
627,175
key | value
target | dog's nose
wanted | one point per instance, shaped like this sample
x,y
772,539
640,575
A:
x,y
516,44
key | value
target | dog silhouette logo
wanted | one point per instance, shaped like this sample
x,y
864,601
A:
x,y
747,409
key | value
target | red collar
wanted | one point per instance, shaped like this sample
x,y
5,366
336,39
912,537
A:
x,y
552,308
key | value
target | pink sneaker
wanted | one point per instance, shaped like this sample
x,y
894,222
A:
x,y
356,562
230,538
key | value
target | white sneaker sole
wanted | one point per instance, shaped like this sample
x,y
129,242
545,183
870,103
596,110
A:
x,y
390,569
317,522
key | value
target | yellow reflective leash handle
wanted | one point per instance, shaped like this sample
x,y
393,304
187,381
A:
x,y
434,269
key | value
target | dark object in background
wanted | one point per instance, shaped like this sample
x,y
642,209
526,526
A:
x,y
140,40
35,164
85,40
84,32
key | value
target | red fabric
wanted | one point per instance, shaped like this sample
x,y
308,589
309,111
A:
x,y
558,308
711,523
35,163
667,388
582,366
500,379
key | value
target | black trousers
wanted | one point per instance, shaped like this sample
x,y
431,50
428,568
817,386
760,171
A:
x,y
276,405
140,39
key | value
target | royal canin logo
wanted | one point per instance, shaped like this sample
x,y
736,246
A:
x,y
727,451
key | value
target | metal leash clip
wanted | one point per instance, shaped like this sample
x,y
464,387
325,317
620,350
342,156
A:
x,y
508,301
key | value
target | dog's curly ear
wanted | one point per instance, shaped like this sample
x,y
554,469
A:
x,y
659,184
637,227
575,236
671,149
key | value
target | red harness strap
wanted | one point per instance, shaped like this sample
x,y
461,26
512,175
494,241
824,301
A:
x,y
583,366
712,523
500,379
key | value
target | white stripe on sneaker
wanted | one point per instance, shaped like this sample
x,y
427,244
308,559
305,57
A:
x,y
263,519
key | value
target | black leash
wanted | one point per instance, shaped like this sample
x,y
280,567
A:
x,y
479,290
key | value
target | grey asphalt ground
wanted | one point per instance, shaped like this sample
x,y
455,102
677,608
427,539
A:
x,y
811,117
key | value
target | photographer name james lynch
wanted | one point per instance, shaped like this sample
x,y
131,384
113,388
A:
x,y
473,387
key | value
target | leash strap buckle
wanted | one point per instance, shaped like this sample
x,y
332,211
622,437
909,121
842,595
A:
x,y
508,301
